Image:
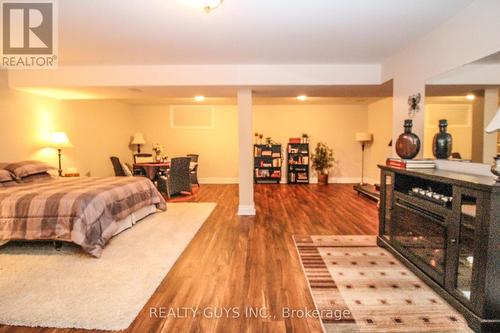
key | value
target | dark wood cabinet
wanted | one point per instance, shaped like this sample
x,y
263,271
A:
x,y
298,163
445,226
267,163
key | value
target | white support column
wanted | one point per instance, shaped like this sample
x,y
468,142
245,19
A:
x,y
490,109
245,127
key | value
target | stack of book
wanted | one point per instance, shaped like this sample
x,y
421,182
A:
x,y
410,164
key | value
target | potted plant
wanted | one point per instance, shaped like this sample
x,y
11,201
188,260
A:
x,y
322,162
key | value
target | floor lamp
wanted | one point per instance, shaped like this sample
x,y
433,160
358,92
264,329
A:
x,y
363,138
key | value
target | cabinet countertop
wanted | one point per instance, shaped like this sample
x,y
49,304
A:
x,y
484,183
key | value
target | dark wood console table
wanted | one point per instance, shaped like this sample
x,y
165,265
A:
x,y
453,246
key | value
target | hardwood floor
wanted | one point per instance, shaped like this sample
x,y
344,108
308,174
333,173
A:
x,y
241,262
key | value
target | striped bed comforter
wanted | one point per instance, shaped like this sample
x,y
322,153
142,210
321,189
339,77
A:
x,y
83,210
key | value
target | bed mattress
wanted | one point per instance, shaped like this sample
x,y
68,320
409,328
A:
x,y
86,211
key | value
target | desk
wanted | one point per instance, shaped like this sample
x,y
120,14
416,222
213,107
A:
x,y
151,169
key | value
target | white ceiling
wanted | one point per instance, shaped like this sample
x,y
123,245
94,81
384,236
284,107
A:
x,y
152,32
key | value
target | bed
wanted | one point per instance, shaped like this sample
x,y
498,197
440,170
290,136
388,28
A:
x,y
86,211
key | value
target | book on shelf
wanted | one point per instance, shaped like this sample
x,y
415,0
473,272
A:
x,y
276,174
262,173
411,164
259,173
300,160
263,164
302,176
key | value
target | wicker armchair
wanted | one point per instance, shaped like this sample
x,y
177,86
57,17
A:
x,y
178,179
194,171
117,166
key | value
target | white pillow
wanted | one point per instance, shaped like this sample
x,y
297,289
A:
x,y
126,169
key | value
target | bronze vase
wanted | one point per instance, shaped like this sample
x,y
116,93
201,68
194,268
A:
x,y
408,143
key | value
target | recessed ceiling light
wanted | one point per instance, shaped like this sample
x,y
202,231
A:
x,y
470,97
302,97
199,98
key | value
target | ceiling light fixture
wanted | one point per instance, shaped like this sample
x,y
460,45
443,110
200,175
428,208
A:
x,y
199,98
470,97
211,5
302,97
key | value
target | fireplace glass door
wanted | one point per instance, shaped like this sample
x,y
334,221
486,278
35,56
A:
x,y
423,236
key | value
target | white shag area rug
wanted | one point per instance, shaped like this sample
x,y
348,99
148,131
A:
x,y
41,287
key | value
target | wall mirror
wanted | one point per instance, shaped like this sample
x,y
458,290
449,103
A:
x,y
468,98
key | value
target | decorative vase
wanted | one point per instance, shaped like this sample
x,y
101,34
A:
x,y
322,178
443,142
158,157
408,143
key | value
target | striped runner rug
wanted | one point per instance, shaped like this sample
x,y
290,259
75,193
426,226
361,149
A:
x,y
360,287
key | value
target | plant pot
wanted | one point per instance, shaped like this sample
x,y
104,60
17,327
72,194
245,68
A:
x,y
322,178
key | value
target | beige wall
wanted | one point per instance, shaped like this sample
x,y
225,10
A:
x,y
461,134
477,130
335,125
217,146
97,130
380,125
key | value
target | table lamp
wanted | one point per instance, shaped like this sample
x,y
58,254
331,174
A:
x,y
59,140
363,138
138,140
494,126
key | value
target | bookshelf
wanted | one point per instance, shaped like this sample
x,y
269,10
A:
x,y
298,163
267,164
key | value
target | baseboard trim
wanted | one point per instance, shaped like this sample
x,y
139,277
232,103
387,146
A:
x,y
246,210
371,181
219,180
338,180
313,180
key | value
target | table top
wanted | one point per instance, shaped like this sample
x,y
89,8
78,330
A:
x,y
153,164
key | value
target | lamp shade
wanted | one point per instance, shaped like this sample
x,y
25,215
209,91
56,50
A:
x,y
138,139
494,124
363,137
59,140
